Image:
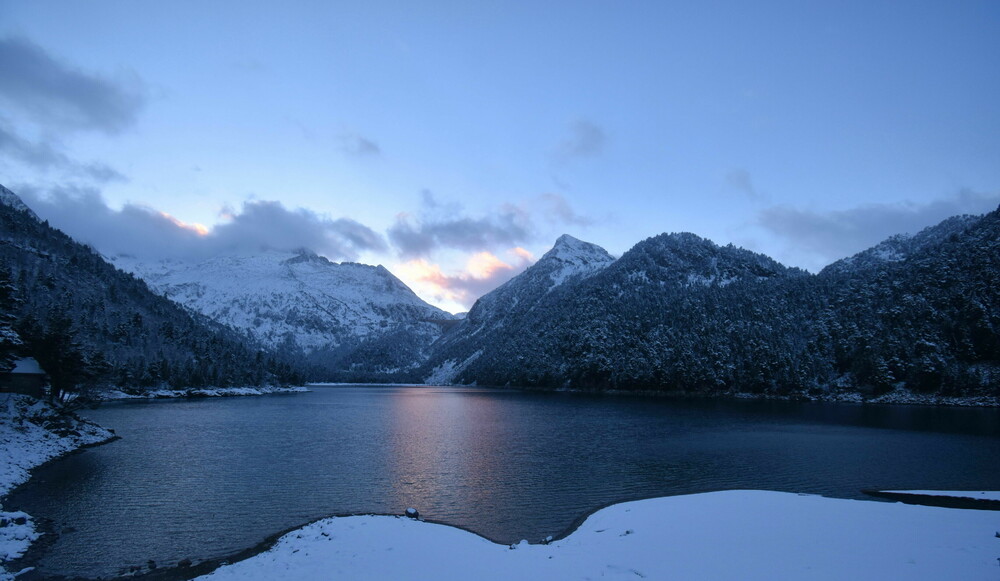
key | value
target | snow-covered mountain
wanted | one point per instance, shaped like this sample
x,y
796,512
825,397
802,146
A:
x,y
90,325
569,261
504,310
680,313
899,247
301,302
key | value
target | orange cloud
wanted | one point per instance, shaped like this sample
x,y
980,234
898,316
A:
x,y
199,229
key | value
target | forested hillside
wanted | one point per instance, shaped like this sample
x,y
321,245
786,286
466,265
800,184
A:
x,y
679,313
89,323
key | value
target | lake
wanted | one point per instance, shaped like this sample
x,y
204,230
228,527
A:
x,y
205,478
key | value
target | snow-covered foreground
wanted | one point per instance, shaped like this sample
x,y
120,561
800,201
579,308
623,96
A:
x,y
742,534
112,395
31,433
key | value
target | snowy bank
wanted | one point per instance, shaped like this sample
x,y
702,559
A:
x,y
720,535
114,394
33,432
975,495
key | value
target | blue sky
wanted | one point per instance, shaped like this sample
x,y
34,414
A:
x,y
454,141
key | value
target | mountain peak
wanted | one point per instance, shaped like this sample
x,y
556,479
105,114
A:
x,y
570,249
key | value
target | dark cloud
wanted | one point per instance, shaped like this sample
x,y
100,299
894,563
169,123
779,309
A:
x,y
43,155
359,145
59,97
585,139
442,226
834,235
138,230
39,155
740,179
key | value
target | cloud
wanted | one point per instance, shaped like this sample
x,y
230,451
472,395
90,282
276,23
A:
x,y
60,98
483,272
558,210
142,231
833,235
43,155
441,225
585,139
740,179
359,145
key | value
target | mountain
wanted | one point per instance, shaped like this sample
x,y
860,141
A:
x,y
502,312
348,320
899,247
89,323
679,313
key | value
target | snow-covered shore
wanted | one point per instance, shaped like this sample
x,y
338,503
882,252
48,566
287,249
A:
x,y
33,432
974,495
115,395
742,534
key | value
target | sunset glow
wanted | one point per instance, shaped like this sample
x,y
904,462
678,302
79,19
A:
x,y
458,291
199,229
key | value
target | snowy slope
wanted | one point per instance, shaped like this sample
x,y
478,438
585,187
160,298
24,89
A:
x,y
9,198
738,534
897,248
292,299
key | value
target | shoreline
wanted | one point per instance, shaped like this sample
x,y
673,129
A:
x,y
208,565
118,395
204,569
34,433
898,397
372,546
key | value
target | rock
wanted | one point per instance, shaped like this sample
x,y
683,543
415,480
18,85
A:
x,y
151,563
19,520
412,513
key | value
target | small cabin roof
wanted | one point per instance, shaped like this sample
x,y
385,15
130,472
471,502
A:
x,y
27,366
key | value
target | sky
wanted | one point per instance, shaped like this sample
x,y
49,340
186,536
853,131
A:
x,y
453,142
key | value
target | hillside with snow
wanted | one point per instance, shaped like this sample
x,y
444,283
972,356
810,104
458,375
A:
x,y
913,319
344,316
499,312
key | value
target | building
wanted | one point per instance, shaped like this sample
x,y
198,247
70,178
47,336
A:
x,y
27,377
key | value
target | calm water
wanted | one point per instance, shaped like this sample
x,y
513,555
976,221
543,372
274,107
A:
x,y
206,478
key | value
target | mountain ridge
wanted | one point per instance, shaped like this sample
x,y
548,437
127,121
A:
x,y
679,313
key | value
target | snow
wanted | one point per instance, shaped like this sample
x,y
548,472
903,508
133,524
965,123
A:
x,y
208,392
977,495
572,257
447,372
9,198
27,365
275,296
32,432
741,534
